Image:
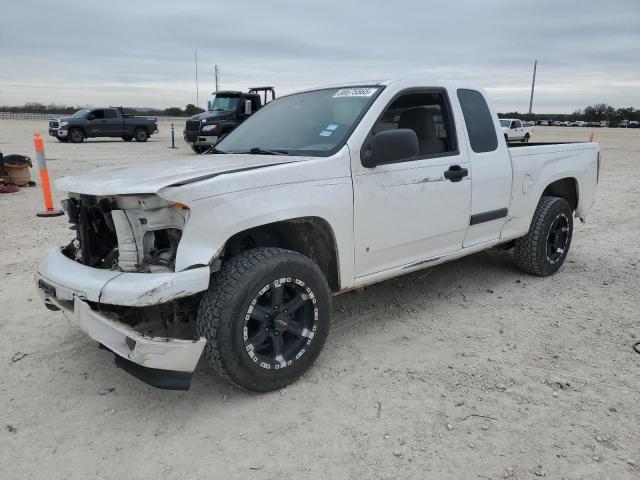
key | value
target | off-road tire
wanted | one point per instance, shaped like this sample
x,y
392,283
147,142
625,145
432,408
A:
x,y
127,138
141,134
223,311
200,149
76,135
531,251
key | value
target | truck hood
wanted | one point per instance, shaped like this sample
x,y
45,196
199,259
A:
x,y
216,115
149,177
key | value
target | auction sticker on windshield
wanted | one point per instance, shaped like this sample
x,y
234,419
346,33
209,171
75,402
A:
x,y
355,92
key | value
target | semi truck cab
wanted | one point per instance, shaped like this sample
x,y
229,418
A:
x,y
225,111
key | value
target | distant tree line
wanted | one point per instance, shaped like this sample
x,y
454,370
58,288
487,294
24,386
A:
x,y
34,107
593,113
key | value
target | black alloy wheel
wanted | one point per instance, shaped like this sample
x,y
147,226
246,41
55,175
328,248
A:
x,y
141,135
558,238
280,323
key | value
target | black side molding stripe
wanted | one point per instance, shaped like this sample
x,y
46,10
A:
x,y
488,216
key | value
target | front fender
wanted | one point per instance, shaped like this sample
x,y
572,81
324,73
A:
x,y
215,219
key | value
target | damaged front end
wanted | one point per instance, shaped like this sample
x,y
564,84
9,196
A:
x,y
125,233
118,280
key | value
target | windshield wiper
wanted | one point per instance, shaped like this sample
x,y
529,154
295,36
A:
x,y
264,151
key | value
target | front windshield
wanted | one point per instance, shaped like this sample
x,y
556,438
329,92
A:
x,y
310,123
81,113
224,104
505,123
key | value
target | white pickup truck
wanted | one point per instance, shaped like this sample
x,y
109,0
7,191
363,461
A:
x,y
514,129
237,254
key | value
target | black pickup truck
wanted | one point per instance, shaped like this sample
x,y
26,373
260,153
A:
x,y
102,122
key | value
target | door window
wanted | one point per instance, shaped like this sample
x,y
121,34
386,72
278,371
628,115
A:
x,y
110,114
428,115
517,124
97,114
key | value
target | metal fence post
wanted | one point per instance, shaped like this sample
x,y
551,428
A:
x,y
173,137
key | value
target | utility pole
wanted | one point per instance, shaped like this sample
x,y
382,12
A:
x,y
195,55
217,75
533,85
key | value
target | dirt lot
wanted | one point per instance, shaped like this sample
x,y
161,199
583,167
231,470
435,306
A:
x,y
468,370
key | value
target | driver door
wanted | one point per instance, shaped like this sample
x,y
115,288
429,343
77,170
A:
x,y
407,213
96,126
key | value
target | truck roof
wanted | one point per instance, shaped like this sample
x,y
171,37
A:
x,y
398,83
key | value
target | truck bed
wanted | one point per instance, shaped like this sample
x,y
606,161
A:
x,y
537,165
516,144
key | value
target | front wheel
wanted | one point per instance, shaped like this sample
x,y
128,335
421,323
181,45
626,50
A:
x,y
543,250
141,135
525,139
76,135
200,149
506,138
266,317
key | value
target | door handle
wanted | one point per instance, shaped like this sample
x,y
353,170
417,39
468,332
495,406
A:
x,y
456,173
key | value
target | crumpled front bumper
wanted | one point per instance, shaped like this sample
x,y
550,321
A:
x,y
161,362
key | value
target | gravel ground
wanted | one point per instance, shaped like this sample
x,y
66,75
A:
x,y
467,370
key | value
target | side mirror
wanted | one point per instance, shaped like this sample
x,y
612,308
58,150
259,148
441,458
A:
x,y
247,107
391,146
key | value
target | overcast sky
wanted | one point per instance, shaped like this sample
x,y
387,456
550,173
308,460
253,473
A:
x,y
142,53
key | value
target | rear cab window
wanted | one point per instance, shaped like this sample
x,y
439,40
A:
x,y
479,122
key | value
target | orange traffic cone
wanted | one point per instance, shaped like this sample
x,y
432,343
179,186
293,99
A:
x,y
48,211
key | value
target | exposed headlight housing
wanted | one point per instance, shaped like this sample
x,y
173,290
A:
x,y
63,124
209,128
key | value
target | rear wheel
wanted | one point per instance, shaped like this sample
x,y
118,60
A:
x,y
127,138
266,317
141,134
200,149
543,250
76,135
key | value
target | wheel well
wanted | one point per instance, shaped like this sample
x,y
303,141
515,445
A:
x,y
566,188
74,127
310,236
142,127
